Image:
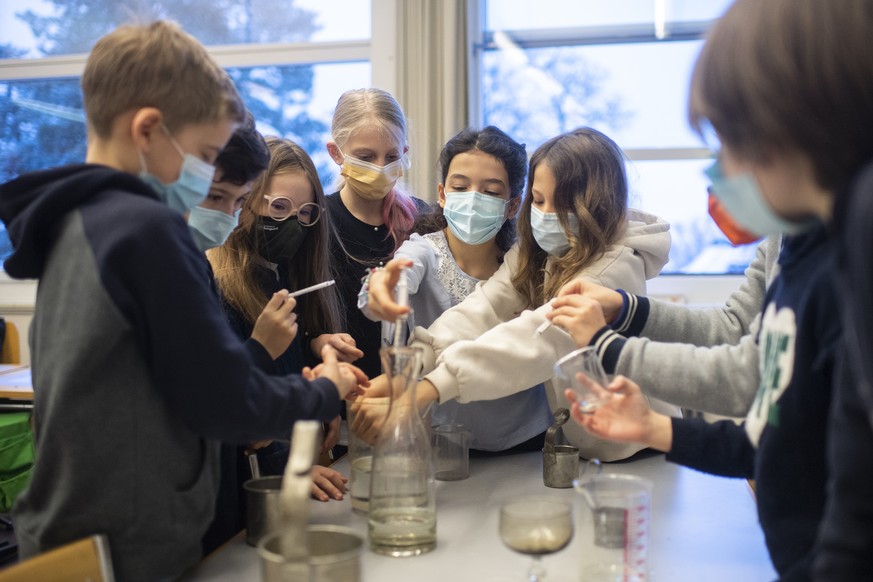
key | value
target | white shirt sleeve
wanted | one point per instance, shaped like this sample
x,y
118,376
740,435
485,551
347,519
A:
x,y
424,261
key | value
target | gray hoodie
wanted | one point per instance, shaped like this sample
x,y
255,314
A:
x,y
704,359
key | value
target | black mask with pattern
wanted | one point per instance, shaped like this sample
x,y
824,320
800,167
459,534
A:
x,y
281,239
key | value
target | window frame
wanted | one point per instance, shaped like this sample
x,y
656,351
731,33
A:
x,y
379,50
693,289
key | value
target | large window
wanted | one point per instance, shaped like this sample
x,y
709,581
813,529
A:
x,y
43,28
540,68
621,67
290,59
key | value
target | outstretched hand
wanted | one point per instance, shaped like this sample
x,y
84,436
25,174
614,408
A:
x,y
367,414
380,293
343,343
623,415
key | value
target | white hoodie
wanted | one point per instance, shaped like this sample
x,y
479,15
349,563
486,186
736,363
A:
x,y
486,346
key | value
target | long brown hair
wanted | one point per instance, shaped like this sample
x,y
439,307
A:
x,y
237,261
590,182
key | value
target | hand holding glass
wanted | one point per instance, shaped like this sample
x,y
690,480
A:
x,y
536,526
587,361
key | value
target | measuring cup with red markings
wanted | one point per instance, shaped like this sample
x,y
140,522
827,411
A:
x,y
619,506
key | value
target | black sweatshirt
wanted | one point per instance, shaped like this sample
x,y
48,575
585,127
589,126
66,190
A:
x,y
845,550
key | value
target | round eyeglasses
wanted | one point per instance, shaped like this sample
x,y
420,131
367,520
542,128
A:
x,y
282,208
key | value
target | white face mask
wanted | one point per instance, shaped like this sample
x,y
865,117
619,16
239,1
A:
x,y
474,217
549,233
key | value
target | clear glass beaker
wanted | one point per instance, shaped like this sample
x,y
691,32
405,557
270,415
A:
x,y
361,453
586,361
402,508
451,452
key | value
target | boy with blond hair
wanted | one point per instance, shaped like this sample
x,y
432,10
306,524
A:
x,y
136,373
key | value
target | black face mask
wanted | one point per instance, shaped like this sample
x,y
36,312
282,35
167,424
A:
x,y
281,239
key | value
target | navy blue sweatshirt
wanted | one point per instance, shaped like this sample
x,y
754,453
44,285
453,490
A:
x,y
846,536
799,343
134,367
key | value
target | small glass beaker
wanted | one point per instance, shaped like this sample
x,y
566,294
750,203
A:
x,y
619,506
586,361
361,453
452,452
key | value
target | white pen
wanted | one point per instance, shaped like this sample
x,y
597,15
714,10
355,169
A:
x,y
546,324
403,301
403,290
312,288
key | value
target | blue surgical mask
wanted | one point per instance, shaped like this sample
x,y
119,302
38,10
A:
x,y
210,228
474,217
745,203
549,233
195,179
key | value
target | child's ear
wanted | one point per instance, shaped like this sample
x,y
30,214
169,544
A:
x,y
334,152
143,125
441,195
512,207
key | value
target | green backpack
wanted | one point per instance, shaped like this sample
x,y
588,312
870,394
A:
x,y
16,456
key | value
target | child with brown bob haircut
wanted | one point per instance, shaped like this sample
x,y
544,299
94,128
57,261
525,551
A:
x,y
136,373
786,87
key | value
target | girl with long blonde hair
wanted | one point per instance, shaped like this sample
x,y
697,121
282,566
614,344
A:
x,y
372,213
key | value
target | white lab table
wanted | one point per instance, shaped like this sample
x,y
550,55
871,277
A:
x,y
702,528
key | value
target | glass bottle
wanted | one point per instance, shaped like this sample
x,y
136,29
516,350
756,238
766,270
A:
x,y
402,517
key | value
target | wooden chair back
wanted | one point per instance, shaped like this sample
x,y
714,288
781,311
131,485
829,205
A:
x,y
85,560
10,351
